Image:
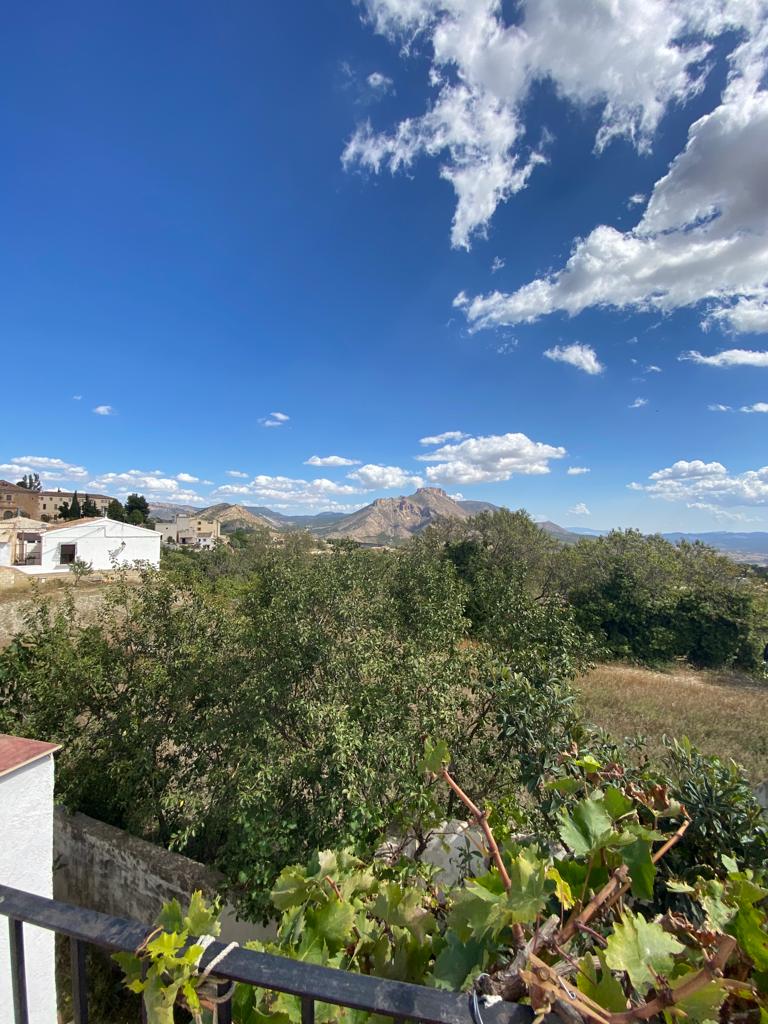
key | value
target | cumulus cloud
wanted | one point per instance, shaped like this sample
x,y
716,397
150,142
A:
x,y
489,459
636,200
757,407
580,509
583,357
237,473
628,60
730,357
331,460
638,403
153,484
702,239
708,482
281,492
47,467
104,410
578,470
187,478
385,478
448,435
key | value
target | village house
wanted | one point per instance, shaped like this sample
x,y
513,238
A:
x,y
35,548
190,531
42,505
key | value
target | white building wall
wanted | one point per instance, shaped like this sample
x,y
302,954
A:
x,y
103,544
26,862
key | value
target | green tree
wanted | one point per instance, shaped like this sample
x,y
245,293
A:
x,y
30,481
137,503
89,509
75,510
116,511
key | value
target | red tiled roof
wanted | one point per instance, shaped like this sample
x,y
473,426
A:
x,y
15,752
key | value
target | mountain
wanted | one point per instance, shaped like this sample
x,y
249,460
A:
x,y
234,517
741,547
282,521
393,520
475,507
166,511
558,532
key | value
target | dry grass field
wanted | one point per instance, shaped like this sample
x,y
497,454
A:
x,y
722,713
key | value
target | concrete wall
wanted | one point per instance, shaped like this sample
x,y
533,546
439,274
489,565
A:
x,y
105,869
26,850
102,544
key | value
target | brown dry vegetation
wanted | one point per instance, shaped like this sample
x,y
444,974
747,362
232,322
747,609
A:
x,y
724,714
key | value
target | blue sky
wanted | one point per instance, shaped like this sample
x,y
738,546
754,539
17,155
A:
x,y
387,221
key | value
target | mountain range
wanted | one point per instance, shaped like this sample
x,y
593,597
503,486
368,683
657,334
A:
x,y
392,521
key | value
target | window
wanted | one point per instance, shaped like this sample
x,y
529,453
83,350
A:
x,y
68,553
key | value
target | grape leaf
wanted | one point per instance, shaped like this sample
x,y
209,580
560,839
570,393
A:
x,y
332,923
748,928
704,1004
641,948
607,992
201,919
457,962
588,828
642,870
616,803
291,888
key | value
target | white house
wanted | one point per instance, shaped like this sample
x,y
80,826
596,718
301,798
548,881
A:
x,y
103,543
26,862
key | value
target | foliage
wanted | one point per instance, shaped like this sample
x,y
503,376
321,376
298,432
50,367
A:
x,y
116,511
89,508
653,601
570,929
136,509
170,962
80,569
30,482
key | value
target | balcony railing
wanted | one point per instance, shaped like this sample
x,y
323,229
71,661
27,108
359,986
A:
x,y
310,982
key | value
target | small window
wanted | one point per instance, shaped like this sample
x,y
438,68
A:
x,y
68,552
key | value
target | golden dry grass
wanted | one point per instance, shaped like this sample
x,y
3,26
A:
x,y
722,713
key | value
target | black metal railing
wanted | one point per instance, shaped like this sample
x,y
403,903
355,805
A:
x,y
310,982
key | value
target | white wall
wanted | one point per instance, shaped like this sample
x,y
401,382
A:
x,y
26,862
103,544
5,553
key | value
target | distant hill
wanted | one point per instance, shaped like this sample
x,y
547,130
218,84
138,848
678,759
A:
x,y
475,507
166,511
742,547
299,522
394,520
234,517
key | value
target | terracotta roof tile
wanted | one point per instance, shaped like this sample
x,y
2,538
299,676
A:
x,y
16,751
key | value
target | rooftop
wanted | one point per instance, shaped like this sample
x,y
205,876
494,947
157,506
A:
x,y
16,752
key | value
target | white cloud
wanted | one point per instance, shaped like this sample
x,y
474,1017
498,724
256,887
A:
x,y
653,369
48,468
238,473
488,459
757,407
702,240
331,460
583,357
709,483
718,407
153,484
281,492
448,435
275,419
497,264
720,513
636,200
580,510
187,478
379,82
638,403
385,477
77,398
578,470
104,410
730,357
628,60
